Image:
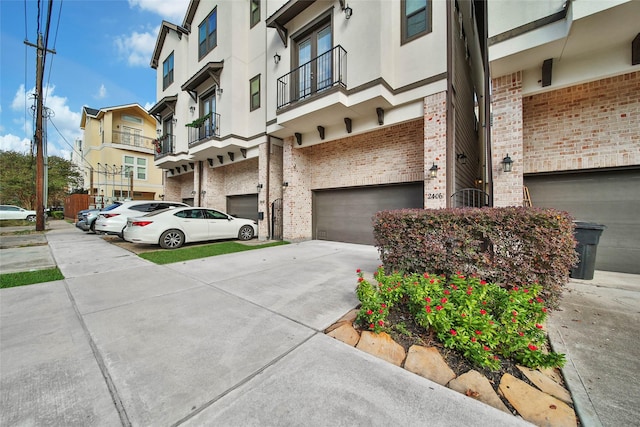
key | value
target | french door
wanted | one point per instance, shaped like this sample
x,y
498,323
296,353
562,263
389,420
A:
x,y
314,61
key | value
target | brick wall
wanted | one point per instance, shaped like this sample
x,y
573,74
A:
x,y
591,125
236,178
274,153
506,138
435,149
178,187
388,155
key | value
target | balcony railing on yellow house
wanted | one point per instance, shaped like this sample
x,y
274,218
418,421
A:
x,y
131,140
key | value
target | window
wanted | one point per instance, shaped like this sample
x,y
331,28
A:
x,y
208,110
208,34
254,85
167,72
132,119
255,12
314,60
416,19
137,165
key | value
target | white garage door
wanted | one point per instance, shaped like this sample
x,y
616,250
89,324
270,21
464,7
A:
x,y
610,198
345,215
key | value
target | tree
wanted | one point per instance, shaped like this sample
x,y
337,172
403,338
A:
x,y
17,179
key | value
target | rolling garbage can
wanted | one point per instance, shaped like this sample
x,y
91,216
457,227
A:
x,y
587,235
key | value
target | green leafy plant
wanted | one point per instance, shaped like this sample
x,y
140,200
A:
x,y
481,320
199,121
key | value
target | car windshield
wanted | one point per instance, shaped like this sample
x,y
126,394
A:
x,y
110,207
154,213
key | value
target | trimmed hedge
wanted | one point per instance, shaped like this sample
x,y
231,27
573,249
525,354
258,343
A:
x,y
512,247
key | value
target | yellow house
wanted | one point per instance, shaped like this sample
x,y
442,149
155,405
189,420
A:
x,y
117,154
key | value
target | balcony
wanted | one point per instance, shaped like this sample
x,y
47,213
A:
x,y
165,145
204,128
132,140
316,76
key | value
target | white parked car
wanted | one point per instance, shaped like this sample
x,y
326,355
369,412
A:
x,y
113,218
171,228
16,212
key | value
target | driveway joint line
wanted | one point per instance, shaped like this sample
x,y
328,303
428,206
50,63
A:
x,y
122,413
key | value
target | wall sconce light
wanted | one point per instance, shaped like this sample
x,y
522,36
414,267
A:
x,y
348,12
276,58
259,187
433,171
192,109
219,91
462,158
193,192
203,192
507,163
161,196
174,120
285,184
158,132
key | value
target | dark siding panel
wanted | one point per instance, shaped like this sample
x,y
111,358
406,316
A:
x,y
345,215
610,198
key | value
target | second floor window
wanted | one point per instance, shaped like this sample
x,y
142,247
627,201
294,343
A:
x,y
208,34
416,19
136,164
167,72
254,87
255,12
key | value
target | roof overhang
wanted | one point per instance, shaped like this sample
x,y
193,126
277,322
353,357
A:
x,y
286,13
162,35
210,71
168,102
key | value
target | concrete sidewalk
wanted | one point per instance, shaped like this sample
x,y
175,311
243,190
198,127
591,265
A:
x,y
230,340
237,340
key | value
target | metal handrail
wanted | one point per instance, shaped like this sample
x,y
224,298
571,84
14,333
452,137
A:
x,y
207,130
317,75
469,198
131,139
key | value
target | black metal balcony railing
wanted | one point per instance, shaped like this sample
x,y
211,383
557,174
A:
x,y
317,75
131,139
165,145
210,128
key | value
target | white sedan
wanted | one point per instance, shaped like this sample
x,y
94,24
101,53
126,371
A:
x,y
171,228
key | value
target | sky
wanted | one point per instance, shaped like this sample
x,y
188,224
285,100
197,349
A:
x,y
103,55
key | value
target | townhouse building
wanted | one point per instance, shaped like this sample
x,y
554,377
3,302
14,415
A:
x,y
116,154
310,116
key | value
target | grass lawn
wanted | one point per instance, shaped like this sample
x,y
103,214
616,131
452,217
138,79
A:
x,y
186,254
10,280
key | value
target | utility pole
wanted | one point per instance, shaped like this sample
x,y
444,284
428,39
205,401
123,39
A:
x,y
41,52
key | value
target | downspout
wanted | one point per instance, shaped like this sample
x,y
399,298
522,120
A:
x,y
268,205
449,170
487,103
200,183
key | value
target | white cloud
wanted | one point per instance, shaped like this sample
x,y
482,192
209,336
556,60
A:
x,y
102,92
137,48
14,143
63,127
172,11
148,105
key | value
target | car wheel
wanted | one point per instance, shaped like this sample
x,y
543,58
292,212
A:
x,y
31,218
171,239
245,233
92,227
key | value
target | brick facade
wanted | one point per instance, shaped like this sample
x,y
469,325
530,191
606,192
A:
x,y
389,155
506,138
591,125
237,178
435,150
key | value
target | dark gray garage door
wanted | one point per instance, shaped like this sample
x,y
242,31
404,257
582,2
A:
x,y
245,206
344,215
611,198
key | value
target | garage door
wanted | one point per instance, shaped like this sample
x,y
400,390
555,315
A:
x,y
344,215
245,206
611,198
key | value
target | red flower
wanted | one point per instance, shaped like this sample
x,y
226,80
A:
x,y
453,332
532,347
515,288
544,309
482,282
495,357
486,348
358,271
513,319
427,299
539,299
526,291
478,332
439,307
539,326
515,313
484,303
463,315
380,322
444,300
491,322
426,275
427,308
483,311
473,339
383,305
381,311
521,333
360,279
371,326
447,292
469,292
369,312
454,287
432,281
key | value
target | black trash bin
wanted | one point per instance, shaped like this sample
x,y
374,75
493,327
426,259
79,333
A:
x,y
588,235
